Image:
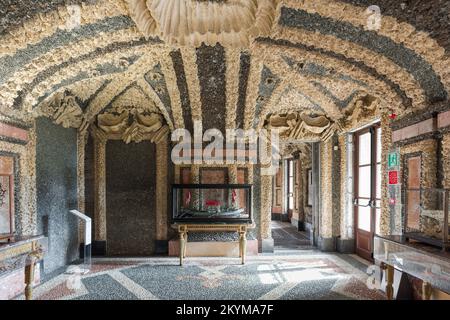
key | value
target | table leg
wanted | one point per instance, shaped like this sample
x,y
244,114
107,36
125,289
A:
x,y
29,277
389,282
242,246
426,291
182,244
185,244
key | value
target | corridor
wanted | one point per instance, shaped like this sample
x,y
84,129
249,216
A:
x,y
287,237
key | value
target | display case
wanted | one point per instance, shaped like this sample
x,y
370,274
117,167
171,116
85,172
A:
x,y
419,260
426,216
211,203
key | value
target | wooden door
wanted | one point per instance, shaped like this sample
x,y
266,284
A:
x,y
277,207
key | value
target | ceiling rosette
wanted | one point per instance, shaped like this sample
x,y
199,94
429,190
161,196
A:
x,y
232,23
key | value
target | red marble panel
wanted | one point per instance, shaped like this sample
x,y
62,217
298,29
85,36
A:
x,y
10,131
426,126
444,119
241,179
6,165
397,135
185,175
411,131
214,176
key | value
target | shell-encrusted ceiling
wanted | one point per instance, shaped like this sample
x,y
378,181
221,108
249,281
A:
x,y
221,64
232,23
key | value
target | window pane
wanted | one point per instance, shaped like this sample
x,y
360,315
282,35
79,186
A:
x,y
364,182
378,181
364,148
364,218
379,145
291,184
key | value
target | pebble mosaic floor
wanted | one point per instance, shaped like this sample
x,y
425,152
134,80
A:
x,y
289,273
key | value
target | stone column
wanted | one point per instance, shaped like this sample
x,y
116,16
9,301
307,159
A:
x,y
232,174
386,142
162,162
346,242
81,144
195,179
266,213
100,187
446,160
326,240
232,179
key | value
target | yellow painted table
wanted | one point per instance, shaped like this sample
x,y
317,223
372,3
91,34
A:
x,y
184,229
19,246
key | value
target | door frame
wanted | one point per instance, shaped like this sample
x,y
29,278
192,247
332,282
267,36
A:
x,y
366,254
289,212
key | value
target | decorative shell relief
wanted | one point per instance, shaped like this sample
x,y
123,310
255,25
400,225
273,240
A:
x,y
232,23
63,108
296,126
134,127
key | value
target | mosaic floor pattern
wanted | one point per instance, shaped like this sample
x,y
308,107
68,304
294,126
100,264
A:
x,y
304,274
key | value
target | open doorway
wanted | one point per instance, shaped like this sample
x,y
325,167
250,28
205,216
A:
x,y
291,207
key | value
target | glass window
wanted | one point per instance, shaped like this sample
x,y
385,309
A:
x,y
364,218
364,182
365,145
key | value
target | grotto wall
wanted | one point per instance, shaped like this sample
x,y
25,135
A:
x,y
56,192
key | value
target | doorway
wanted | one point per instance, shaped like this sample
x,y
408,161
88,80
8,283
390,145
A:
x,y
290,191
130,198
367,179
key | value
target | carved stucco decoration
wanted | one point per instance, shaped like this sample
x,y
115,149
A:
x,y
298,126
63,108
363,108
133,126
233,23
300,149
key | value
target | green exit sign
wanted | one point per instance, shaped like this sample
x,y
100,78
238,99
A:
x,y
393,159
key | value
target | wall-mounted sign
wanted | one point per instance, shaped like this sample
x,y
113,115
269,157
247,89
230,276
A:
x,y
393,177
393,159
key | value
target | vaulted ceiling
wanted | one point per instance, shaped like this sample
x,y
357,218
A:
x,y
313,56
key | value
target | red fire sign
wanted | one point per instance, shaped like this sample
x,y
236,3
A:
x,y
393,177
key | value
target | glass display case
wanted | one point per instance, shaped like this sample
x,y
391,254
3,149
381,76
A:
x,y
211,203
419,260
426,216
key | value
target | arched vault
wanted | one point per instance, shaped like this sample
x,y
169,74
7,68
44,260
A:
x,y
321,52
